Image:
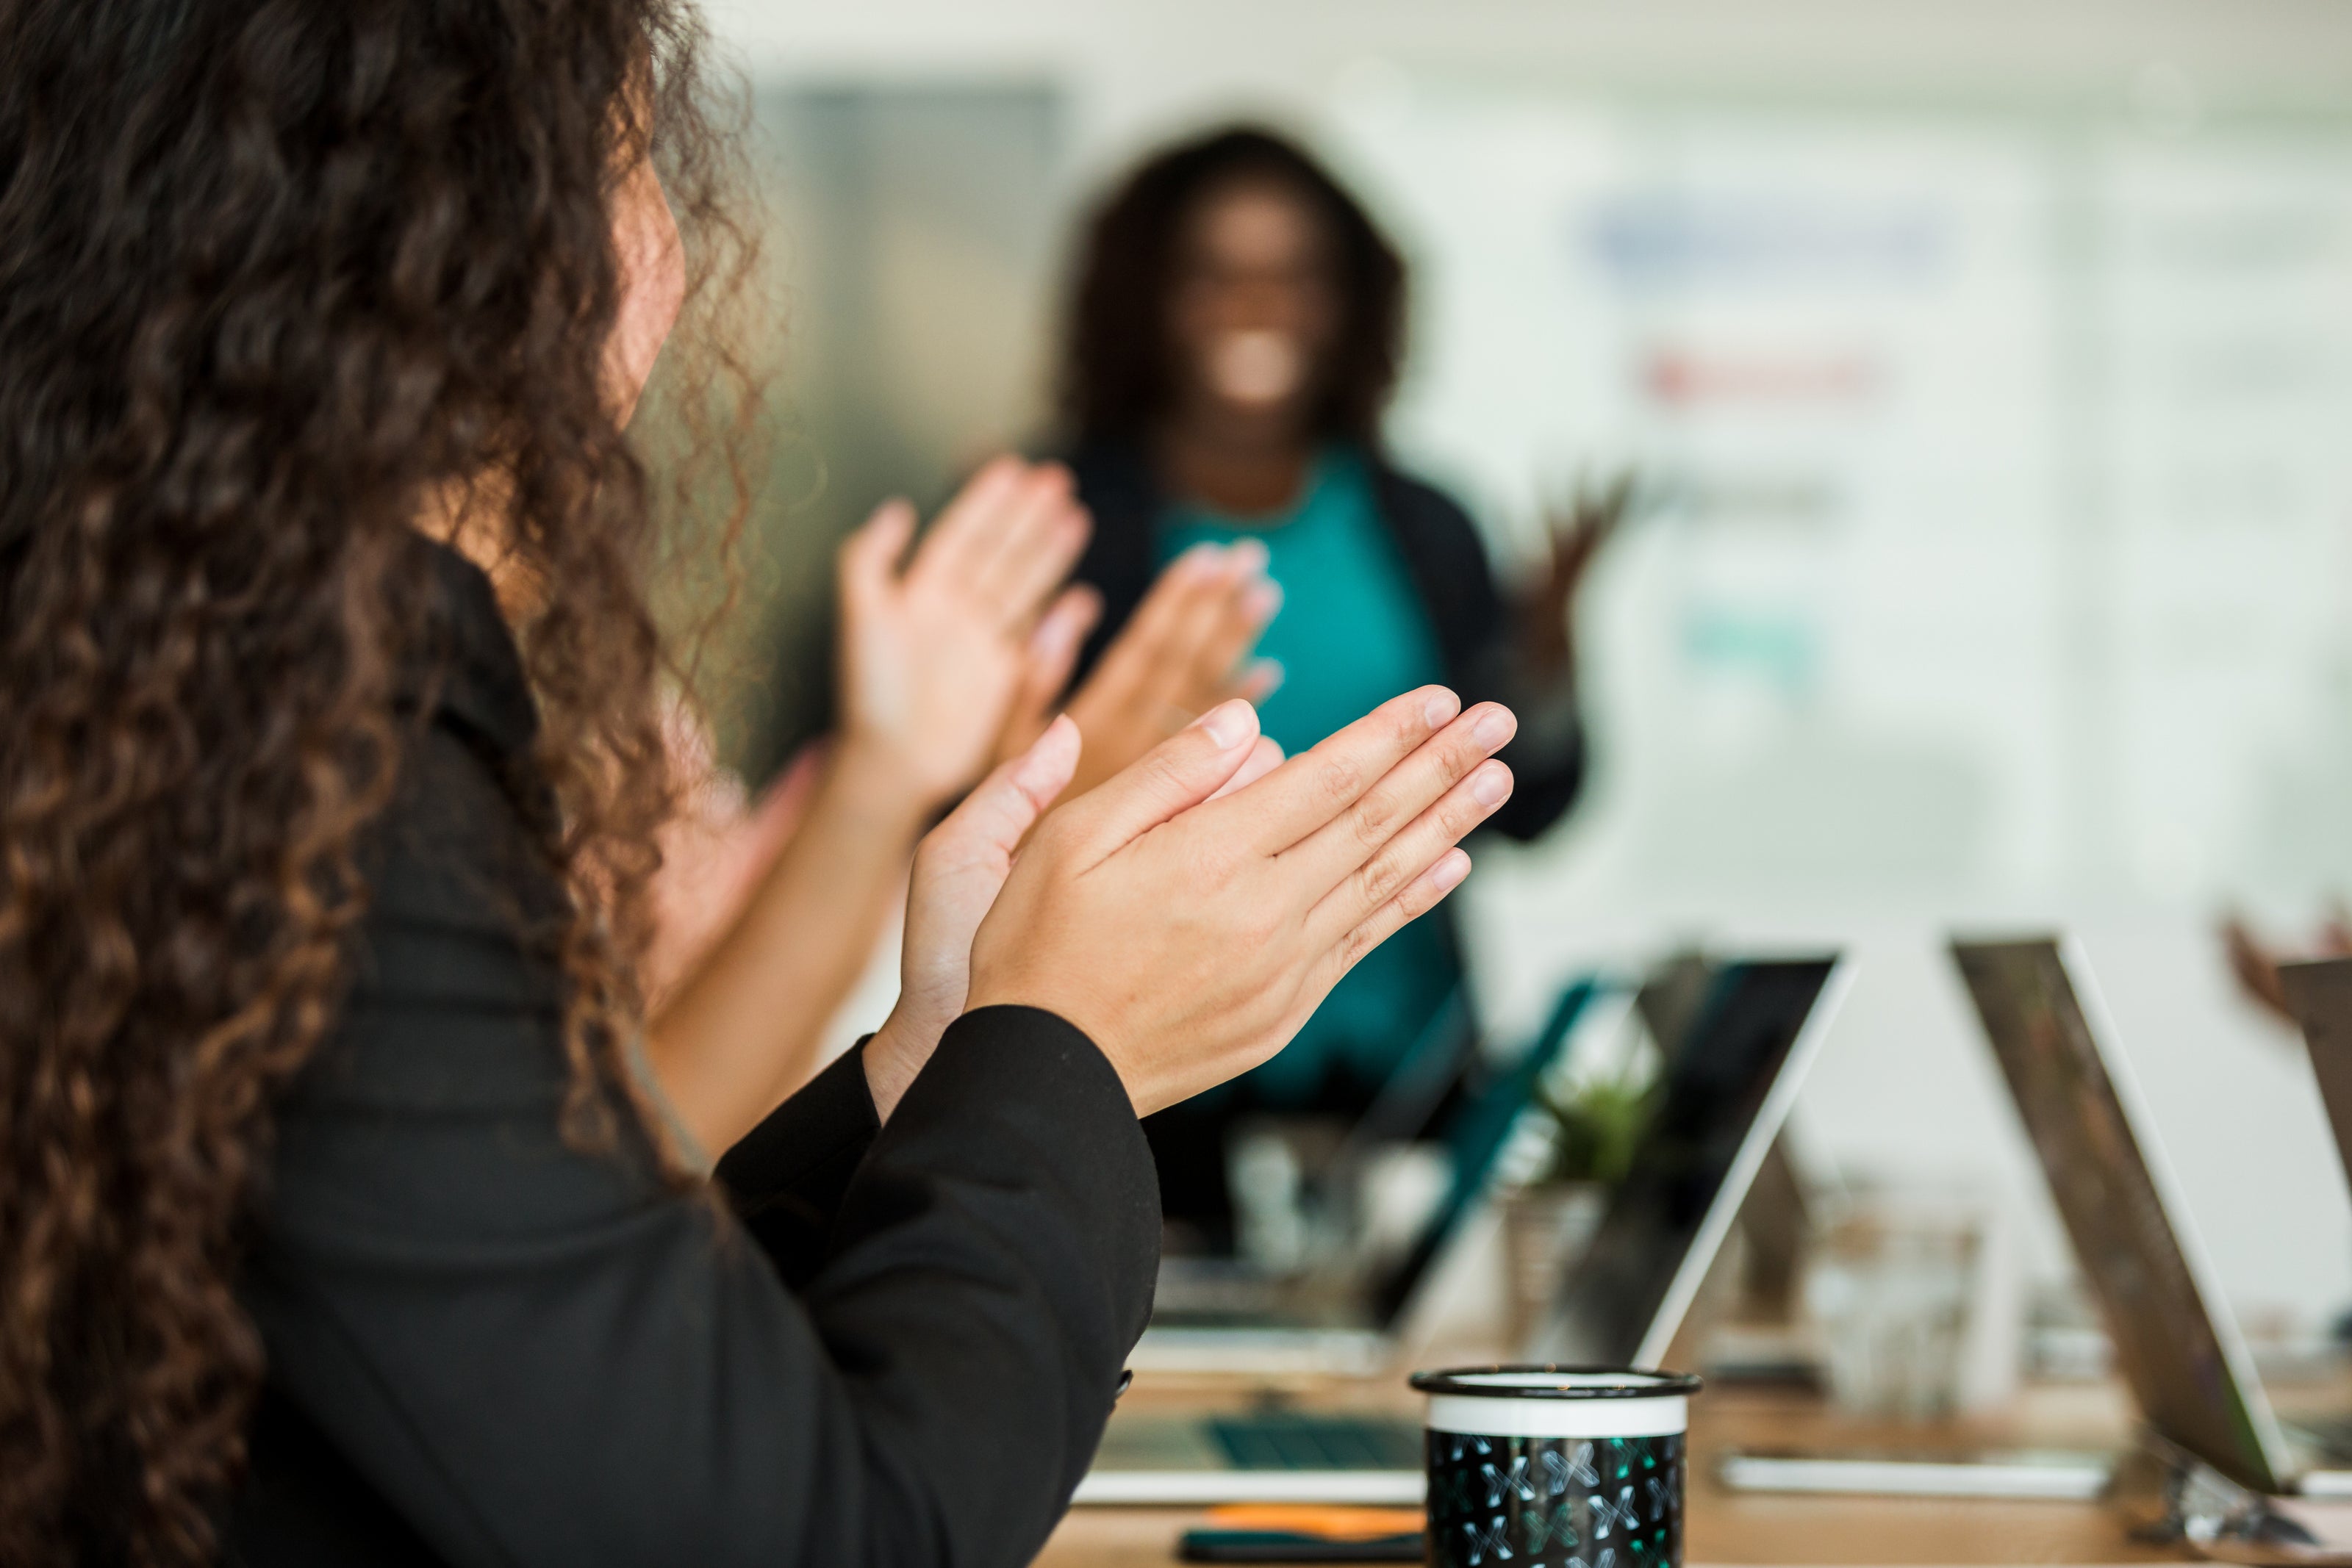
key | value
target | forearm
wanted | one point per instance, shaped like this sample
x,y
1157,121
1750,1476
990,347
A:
x,y
742,1032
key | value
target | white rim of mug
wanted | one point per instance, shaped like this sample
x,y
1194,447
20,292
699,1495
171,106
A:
x,y
1577,1384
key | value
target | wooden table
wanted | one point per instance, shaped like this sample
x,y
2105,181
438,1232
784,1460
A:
x,y
1726,1526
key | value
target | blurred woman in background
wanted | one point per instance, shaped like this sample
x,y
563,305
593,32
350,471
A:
x,y
1236,330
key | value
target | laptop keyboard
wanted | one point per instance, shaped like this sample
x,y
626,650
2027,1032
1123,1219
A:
x,y
1279,1440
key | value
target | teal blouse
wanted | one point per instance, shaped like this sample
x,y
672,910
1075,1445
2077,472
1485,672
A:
x,y
1350,634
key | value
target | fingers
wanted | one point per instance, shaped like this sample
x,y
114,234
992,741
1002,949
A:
x,y
1053,653
1033,573
868,561
1260,681
1009,536
1054,646
1318,786
1034,542
1424,894
957,537
1175,681
1139,651
1407,789
1264,759
996,816
1231,628
1174,776
1411,851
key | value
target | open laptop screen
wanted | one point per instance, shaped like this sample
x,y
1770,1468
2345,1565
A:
x,y
1488,1105
2170,1344
1727,1089
2320,993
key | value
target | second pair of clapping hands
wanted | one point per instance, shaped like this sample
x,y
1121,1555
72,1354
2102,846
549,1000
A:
x,y
958,657
955,652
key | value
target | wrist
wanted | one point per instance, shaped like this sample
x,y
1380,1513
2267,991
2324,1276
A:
x,y
872,780
1143,1092
892,1061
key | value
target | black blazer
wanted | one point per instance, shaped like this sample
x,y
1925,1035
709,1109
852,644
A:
x,y
1474,628
487,1348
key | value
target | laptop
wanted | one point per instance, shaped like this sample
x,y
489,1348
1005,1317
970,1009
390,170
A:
x,y
1724,1096
2176,1342
2320,995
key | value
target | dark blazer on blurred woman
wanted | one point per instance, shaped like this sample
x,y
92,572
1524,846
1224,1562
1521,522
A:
x,y
1236,328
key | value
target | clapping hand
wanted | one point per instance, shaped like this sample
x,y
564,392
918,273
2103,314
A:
x,y
1191,912
1184,651
936,653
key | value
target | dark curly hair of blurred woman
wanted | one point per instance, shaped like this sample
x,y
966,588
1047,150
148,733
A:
x,y
274,276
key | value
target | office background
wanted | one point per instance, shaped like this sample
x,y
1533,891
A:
x,y
1991,367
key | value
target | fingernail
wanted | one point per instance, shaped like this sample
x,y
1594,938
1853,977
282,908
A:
x,y
1441,708
1494,729
1249,555
1492,787
1228,723
1264,600
1054,633
1448,872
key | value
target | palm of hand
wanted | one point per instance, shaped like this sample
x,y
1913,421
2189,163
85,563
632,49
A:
x,y
929,674
934,656
1183,651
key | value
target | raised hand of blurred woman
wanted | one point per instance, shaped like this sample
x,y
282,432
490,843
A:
x,y
1575,535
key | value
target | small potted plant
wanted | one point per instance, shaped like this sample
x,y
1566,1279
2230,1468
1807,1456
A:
x,y
1591,1124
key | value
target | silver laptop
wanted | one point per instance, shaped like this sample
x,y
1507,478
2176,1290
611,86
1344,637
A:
x,y
1727,1090
2176,1342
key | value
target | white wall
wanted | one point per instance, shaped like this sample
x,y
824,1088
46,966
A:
x,y
1137,64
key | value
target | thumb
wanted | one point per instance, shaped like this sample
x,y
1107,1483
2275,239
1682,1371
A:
x,y
996,816
1265,757
1174,776
870,557
1053,650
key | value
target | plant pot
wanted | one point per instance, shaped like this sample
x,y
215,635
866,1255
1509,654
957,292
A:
x,y
1545,1230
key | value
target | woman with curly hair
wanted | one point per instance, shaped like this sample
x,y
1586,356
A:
x,y
343,1215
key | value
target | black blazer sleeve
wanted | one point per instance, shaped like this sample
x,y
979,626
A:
x,y
789,1174
537,1355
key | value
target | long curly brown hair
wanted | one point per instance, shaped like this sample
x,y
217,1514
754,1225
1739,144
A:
x,y
273,274
1115,376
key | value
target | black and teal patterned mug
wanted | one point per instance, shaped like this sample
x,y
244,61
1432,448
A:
x,y
1556,1467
